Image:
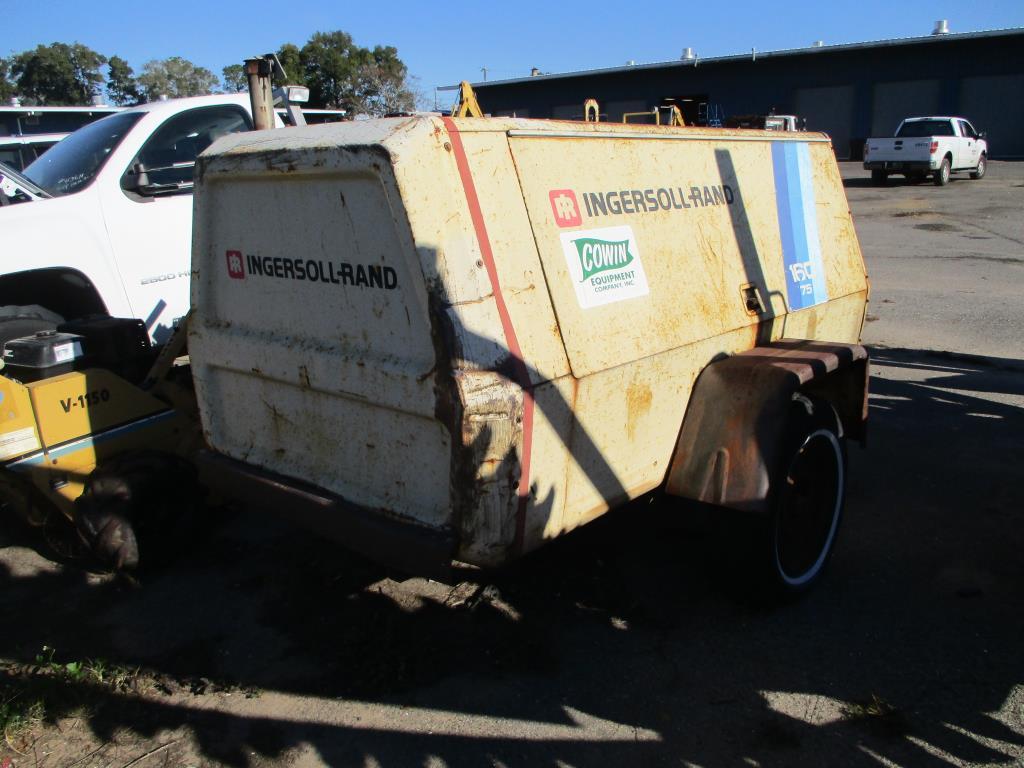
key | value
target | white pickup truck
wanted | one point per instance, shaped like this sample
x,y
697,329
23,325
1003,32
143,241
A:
x,y
923,146
113,233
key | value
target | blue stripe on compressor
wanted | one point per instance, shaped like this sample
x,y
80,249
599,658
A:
x,y
798,225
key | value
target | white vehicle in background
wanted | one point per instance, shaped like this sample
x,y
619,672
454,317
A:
x,y
27,131
113,232
923,146
18,152
15,188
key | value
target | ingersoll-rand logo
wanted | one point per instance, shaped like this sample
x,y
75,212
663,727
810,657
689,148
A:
x,y
311,270
565,207
236,265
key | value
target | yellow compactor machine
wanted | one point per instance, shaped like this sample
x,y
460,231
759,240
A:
x,y
95,428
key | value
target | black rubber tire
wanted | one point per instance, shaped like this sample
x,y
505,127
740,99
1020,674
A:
x,y
980,169
751,550
136,508
807,496
17,321
941,177
879,178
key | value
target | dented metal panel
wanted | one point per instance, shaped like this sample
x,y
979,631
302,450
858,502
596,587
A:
x,y
535,303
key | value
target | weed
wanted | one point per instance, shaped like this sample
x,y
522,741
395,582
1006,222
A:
x,y
98,671
30,692
876,707
879,714
18,712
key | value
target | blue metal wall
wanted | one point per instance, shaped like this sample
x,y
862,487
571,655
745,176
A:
x,y
849,93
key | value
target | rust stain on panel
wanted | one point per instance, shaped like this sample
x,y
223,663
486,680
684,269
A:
x,y
638,403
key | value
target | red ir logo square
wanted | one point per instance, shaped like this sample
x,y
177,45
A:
x,y
236,266
565,207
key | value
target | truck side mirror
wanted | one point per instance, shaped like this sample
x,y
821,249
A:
x,y
136,179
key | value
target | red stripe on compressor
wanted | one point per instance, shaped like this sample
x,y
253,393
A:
x,y
522,374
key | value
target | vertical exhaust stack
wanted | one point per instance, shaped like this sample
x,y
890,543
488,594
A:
x,y
688,54
941,27
259,71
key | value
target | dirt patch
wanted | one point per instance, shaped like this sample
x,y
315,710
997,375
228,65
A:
x,y
936,226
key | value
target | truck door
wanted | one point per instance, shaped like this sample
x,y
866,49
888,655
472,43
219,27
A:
x,y
150,227
969,142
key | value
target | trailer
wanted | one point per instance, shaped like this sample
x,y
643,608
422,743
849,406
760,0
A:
x,y
450,339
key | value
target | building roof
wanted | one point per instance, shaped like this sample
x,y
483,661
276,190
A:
x,y
755,54
32,110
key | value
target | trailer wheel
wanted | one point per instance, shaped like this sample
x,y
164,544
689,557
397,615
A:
x,y
979,171
806,499
879,178
942,174
136,507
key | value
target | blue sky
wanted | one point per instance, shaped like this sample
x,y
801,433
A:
x,y
443,43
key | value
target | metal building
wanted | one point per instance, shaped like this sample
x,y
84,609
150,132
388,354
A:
x,y
849,91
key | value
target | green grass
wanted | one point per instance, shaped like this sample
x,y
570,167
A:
x,y
97,671
18,712
29,692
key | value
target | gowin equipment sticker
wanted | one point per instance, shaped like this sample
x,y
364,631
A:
x,y
604,265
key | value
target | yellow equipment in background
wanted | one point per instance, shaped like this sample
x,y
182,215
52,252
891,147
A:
x,y
72,434
467,105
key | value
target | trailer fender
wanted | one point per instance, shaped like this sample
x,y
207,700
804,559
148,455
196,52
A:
x,y
731,433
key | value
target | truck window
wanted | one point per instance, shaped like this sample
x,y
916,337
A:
x,y
10,156
919,128
170,154
968,130
73,163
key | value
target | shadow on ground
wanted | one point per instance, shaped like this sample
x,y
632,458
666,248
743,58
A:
x,y
905,651
895,181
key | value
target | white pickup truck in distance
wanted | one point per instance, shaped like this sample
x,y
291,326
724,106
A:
x,y
923,146
111,230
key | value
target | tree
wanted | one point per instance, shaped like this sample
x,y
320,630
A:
x,y
291,62
122,88
6,86
329,62
343,75
175,77
380,90
234,78
59,73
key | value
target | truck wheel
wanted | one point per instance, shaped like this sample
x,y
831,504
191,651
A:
x,y
879,178
979,171
135,508
17,321
806,499
942,174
